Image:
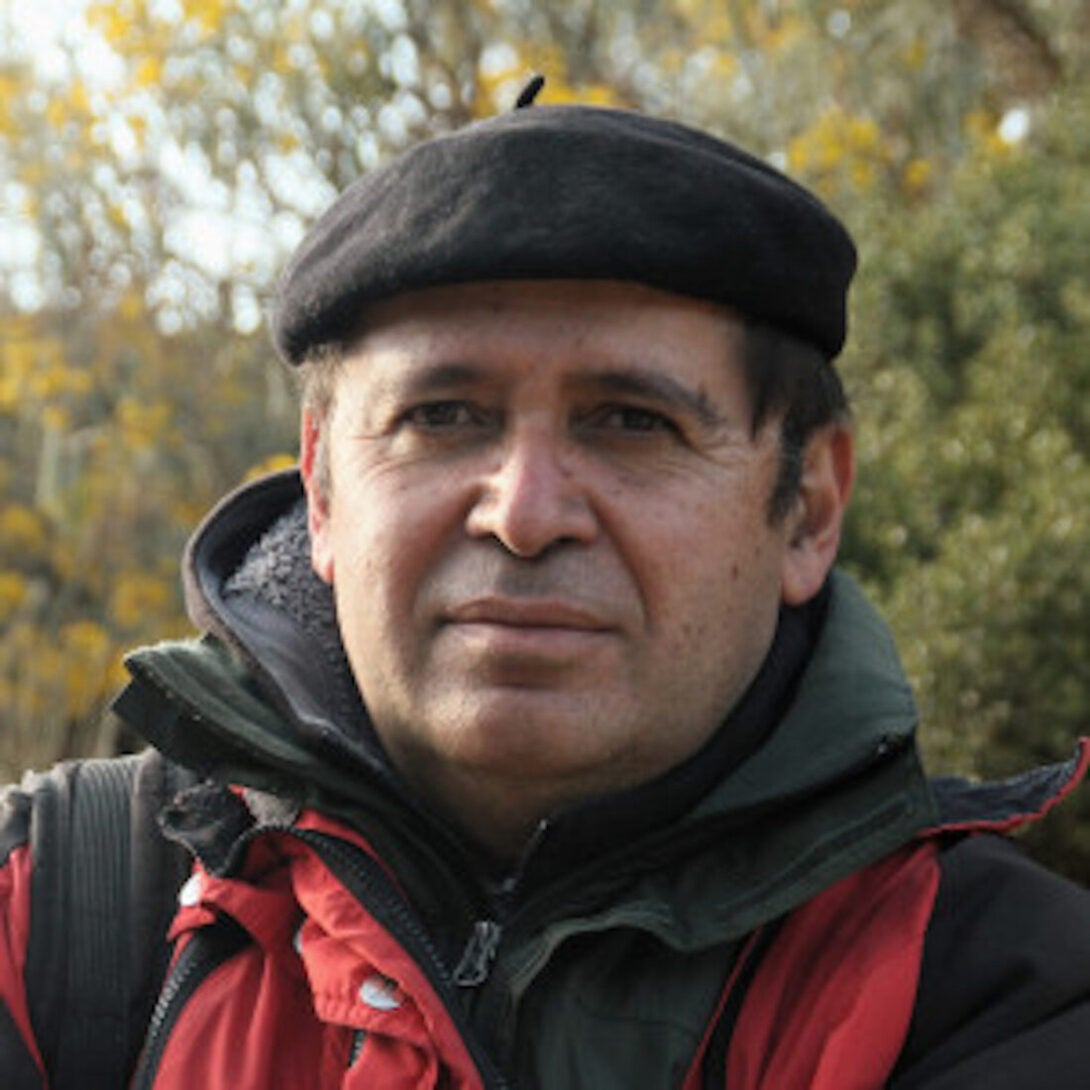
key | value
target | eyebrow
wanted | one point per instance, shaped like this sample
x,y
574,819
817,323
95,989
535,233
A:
x,y
646,383
428,381
653,385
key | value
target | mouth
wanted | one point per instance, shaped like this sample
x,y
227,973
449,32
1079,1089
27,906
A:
x,y
519,641
528,613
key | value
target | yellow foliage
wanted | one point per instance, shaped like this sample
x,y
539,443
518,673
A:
x,y
37,378
9,89
272,464
12,594
717,20
78,98
983,131
114,21
978,123
149,72
32,173
45,378
725,67
48,677
22,531
586,94
207,13
142,424
86,638
784,33
86,651
839,144
74,105
67,566
281,62
130,306
55,418
56,113
138,597
18,358
116,675
916,176
862,174
915,55
244,73
138,126
717,25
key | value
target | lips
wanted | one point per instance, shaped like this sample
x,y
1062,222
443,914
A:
x,y
530,613
525,642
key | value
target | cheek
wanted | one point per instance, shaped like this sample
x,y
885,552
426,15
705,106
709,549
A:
x,y
723,577
389,536
371,550
374,601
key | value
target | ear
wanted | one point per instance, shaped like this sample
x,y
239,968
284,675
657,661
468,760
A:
x,y
318,514
815,522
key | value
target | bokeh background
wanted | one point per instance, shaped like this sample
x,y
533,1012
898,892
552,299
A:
x,y
160,158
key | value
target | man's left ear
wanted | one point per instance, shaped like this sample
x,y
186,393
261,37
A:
x,y
817,516
321,548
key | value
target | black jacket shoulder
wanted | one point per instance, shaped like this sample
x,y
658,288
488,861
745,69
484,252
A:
x,y
1004,991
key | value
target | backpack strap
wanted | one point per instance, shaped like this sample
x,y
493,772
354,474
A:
x,y
103,891
839,981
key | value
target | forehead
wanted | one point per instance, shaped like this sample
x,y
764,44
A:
x,y
562,326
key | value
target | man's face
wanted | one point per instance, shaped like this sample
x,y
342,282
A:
x,y
547,534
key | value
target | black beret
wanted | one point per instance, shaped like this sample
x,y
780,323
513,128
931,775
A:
x,y
573,192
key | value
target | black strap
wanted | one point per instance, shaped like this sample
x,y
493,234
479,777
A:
x,y
19,1070
715,1059
102,892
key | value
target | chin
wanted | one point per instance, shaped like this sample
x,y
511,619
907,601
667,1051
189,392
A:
x,y
527,738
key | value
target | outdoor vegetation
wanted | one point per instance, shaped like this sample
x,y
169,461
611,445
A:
x,y
160,158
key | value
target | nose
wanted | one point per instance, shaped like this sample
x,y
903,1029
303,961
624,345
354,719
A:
x,y
534,498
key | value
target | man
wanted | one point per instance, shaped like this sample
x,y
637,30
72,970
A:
x,y
542,745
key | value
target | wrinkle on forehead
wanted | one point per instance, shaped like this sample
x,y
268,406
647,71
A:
x,y
480,332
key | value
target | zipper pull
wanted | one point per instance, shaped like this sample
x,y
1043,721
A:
x,y
478,955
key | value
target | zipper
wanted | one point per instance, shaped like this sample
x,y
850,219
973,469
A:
x,y
358,1037
368,883
579,887
206,952
366,880
480,952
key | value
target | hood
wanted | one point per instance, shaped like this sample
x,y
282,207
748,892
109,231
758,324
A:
x,y
267,699
249,584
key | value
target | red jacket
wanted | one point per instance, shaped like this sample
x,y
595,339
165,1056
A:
x,y
304,988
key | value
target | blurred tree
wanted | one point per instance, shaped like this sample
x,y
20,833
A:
x,y
112,447
160,158
973,519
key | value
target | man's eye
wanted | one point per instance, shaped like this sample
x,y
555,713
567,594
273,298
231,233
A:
x,y
633,418
441,414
